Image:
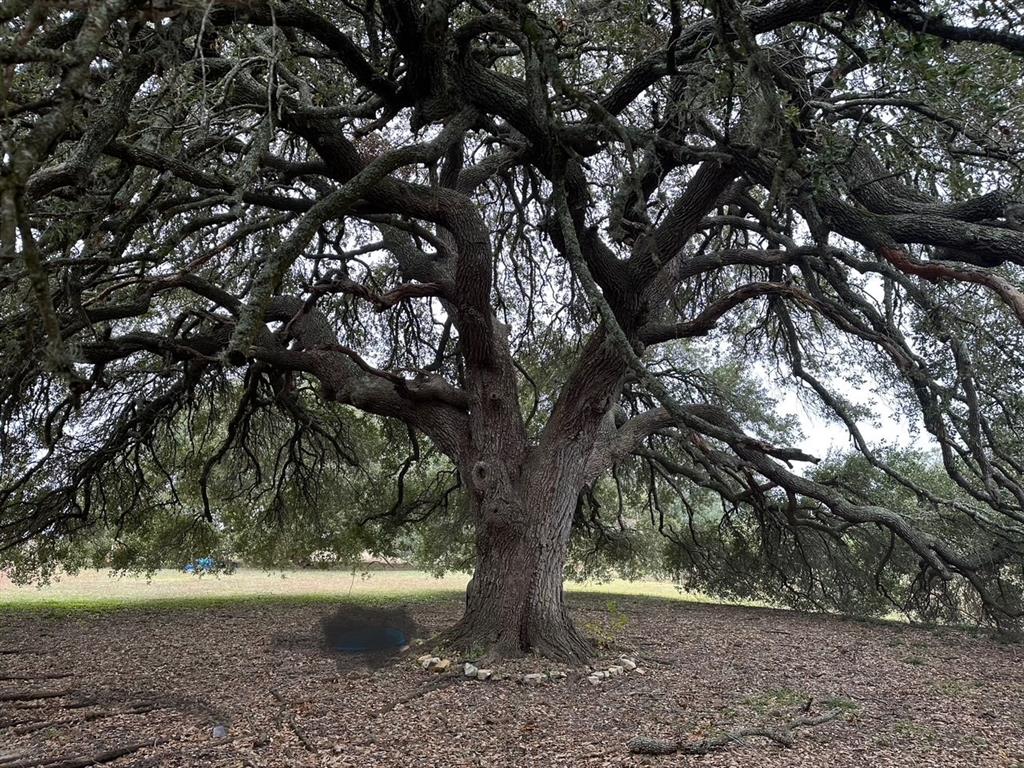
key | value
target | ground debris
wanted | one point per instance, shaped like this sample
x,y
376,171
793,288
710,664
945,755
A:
x,y
910,696
83,761
782,735
32,695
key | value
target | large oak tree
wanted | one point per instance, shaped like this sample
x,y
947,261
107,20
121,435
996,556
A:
x,y
534,233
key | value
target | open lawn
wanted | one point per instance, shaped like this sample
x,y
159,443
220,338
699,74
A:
x,y
98,590
149,685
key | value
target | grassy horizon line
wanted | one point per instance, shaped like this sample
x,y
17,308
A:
x,y
96,591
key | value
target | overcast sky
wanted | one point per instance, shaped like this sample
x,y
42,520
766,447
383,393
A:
x,y
822,436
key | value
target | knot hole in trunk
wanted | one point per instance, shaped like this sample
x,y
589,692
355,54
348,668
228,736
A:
x,y
481,475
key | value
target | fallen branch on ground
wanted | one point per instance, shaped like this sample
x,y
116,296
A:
x,y
21,729
33,695
434,685
82,761
287,717
784,735
35,676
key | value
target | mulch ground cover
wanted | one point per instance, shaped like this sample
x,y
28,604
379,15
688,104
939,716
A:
x,y
150,688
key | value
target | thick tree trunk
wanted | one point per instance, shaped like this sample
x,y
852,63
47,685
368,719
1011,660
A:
x,y
514,603
523,500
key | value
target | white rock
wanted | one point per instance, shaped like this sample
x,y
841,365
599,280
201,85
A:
x,y
469,670
627,663
615,669
424,659
430,662
600,675
484,674
220,732
641,671
534,678
594,680
557,675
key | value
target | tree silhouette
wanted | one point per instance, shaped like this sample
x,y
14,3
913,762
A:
x,y
563,242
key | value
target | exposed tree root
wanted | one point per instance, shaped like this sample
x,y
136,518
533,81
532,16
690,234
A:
x,y
559,641
783,735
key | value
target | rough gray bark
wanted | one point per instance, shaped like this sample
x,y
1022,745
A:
x,y
514,603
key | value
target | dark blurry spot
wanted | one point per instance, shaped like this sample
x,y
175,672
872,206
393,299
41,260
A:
x,y
368,635
362,639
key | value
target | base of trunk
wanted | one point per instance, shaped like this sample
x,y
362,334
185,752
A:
x,y
514,612
479,635
514,602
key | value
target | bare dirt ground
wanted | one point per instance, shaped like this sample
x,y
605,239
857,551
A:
x,y
79,689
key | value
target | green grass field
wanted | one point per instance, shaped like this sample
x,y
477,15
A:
x,y
98,590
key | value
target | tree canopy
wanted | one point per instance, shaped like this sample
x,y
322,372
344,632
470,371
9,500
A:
x,y
526,275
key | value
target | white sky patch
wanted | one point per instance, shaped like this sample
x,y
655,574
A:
x,y
826,436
